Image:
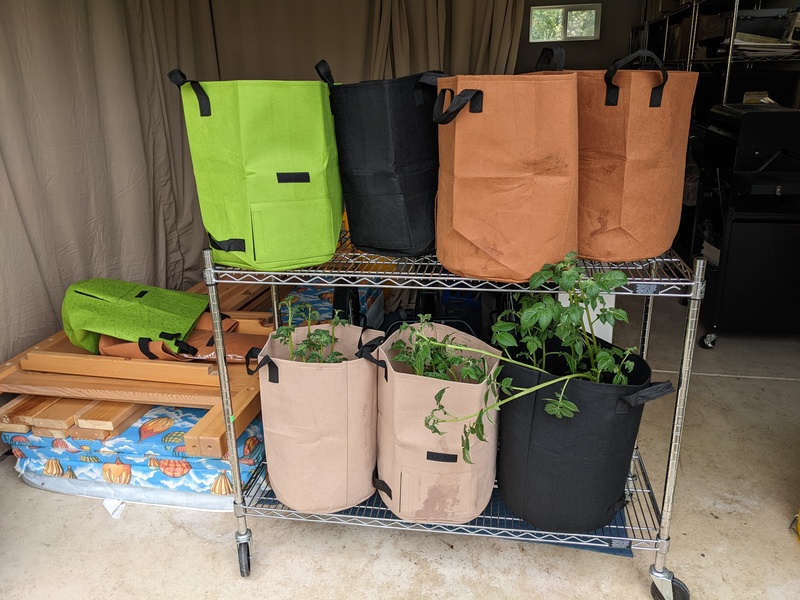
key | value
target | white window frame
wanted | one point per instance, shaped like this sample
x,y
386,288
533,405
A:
x,y
565,10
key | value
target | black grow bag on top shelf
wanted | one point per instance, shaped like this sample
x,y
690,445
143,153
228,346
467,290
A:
x,y
388,160
568,475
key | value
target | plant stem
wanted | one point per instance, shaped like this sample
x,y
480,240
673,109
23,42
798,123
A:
x,y
482,352
525,392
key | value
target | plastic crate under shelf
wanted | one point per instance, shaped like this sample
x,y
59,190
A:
x,y
635,527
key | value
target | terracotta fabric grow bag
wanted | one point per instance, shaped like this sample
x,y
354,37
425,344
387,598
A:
x,y
569,475
388,160
508,173
633,132
422,476
319,424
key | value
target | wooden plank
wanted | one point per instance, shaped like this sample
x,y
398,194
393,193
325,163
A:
x,y
14,428
61,415
106,415
255,323
12,364
7,412
142,392
207,437
50,433
81,433
138,369
31,409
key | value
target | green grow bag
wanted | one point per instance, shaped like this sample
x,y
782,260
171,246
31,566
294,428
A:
x,y
267,170
129,311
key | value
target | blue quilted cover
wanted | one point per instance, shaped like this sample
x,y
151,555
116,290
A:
x,y
150,453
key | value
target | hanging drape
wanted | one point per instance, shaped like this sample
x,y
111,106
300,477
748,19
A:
x,y
92,177
365,39
95,173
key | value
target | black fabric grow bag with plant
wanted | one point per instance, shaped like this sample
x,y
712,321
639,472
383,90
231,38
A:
x,y
388,160
569,474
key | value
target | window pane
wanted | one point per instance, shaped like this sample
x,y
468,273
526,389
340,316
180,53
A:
x,y
546,24
580,23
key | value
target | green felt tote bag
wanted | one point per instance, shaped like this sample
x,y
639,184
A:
x,y
131,312
267,170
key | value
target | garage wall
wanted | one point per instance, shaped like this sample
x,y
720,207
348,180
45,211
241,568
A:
x,y
617,18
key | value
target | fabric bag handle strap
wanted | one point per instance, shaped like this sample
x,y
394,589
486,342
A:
x,y
652,392
427,78
612,90
458,102
177,77
323,69
366,351
266,360
552,54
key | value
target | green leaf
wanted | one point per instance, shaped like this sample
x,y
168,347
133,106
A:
x,y
551,408
505,340
605,361
537,280
569,405
569,278
529,316
546,316
504,326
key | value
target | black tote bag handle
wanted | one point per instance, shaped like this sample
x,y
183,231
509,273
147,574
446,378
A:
x,y
652,392
366,351
552,54
177,77
272,367
323,69
427,78
473,97
612,90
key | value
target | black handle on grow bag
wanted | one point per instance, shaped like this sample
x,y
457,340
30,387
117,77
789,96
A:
x,y
177,77
474,97
552,54
366,351
427,78
323,69
273,368
653,392
612,90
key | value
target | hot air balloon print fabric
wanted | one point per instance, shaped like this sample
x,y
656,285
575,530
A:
x,y
150,453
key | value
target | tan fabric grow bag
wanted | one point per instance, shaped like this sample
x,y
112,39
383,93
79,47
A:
x,y
508,173
422,476
632,160
319,424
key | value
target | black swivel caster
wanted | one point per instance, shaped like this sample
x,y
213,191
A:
x,y
679,590
708,341
244,558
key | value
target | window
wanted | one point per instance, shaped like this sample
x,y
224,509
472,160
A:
x,y
565,22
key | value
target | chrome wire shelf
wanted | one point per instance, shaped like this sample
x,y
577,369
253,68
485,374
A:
x,y
636,527
666,275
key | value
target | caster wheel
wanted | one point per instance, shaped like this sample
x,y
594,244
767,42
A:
x,y
708,341
679,590
244,559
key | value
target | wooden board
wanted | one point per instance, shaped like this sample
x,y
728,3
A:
x,y
138,369
8,411
14,428
48,432
82,433
106,415
29,409
207,437
123,390
61,414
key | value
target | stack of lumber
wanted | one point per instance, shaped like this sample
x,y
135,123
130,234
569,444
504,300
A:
x,y
64,391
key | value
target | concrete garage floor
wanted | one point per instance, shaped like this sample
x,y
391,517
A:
x,y
738,489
